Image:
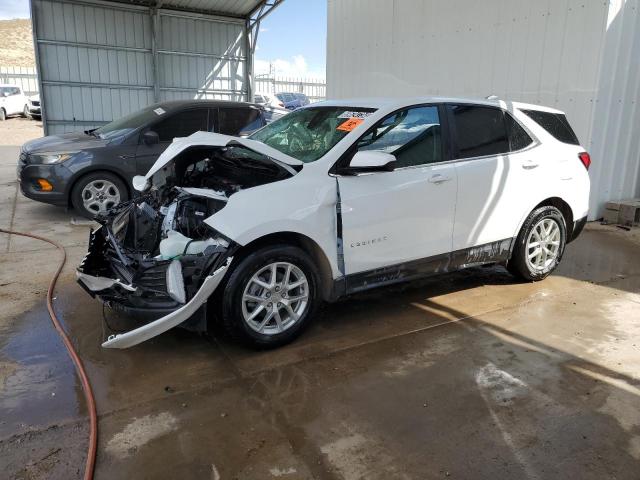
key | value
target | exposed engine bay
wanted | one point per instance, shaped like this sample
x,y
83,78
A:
x,y
152,254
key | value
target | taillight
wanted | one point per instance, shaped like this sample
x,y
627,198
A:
x,y
585,158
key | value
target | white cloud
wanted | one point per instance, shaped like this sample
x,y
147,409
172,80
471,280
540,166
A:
x,y
262,29
295,67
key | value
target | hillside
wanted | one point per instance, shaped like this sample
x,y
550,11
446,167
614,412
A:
x,y
16,48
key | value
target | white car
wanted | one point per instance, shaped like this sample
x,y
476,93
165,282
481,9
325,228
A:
x,y
13,101
35,109
268,100
336,198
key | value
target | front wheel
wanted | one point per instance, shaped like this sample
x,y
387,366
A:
x,y
540,244
97,192
270,297
3,115
25,112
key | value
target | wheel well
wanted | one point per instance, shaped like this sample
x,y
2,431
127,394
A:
x,y
564,208
309,246
111,172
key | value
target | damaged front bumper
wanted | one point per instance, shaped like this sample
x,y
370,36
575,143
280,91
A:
x,y
167,292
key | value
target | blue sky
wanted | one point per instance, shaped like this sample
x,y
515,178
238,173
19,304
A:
x,y
14,9
292,39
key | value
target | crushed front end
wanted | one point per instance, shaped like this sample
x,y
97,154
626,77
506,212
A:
x,y
128,268
155,257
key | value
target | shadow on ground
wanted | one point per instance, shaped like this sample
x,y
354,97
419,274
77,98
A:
x,y
467,375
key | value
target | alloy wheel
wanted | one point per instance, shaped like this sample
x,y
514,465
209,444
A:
x,y
543,244
275,298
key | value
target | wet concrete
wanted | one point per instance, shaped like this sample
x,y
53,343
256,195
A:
x,y
468,375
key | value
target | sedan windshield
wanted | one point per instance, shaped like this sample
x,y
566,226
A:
x,y
309,133
129,123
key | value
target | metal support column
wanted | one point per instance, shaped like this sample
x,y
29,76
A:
x,y
155,30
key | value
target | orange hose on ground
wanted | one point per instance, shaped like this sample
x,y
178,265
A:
x,y
86,386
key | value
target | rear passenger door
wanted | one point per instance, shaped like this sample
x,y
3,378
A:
x,y
174,125
494,174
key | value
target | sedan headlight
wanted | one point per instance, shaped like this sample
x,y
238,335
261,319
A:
x,y
51,158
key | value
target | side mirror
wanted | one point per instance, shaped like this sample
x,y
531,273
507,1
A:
x,y
139,183
150,138
372,161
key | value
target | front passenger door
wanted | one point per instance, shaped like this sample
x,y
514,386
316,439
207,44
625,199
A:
x,y
391,218
175,125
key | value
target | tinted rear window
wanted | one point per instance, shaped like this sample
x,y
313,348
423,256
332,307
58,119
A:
x,y
182,124
236,121
555,124
480,131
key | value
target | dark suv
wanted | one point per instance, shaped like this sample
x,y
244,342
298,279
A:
x,y
92,170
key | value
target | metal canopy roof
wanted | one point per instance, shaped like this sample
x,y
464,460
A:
x,y
229,8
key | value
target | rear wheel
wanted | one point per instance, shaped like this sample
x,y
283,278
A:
x,y
540,244
270,297
97,192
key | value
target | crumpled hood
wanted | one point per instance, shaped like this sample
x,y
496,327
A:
x,y
218,140
62,143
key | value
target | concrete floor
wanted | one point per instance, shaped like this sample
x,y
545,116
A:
x,y
468,375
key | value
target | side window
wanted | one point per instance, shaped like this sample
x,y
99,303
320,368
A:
x,y
235,121
556,124
518,137
479,131
412,135
14,91
271,116
182,124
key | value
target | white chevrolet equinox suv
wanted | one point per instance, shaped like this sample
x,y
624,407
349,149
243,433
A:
x,y
251,234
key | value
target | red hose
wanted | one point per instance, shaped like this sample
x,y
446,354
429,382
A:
x,y
86,386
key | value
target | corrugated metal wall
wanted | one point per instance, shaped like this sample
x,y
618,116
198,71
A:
x,y
201,58
581,57
96,60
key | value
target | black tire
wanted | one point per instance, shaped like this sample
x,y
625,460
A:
x,y
230,315
25,112
78,187
518,264
3,115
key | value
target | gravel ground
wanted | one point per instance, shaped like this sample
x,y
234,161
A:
x,y
17,130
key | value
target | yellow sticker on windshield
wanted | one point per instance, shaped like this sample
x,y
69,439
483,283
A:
x,y
350,124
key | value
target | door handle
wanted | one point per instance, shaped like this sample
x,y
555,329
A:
x,y
529,164
438,179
